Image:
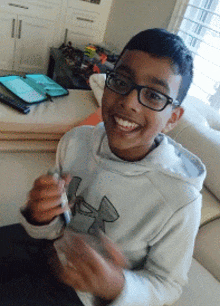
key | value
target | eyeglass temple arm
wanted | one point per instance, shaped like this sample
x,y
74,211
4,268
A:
x,y
176,103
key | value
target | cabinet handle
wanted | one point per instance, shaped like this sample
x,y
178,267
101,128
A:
x,y
13,29
84,19
65,37
19,29
18,5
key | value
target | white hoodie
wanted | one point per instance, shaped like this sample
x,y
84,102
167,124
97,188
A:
x,y
151,208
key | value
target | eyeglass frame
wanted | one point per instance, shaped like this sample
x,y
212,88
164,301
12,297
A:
x,y
170,100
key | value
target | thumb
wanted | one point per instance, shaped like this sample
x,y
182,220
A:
x,y
67,178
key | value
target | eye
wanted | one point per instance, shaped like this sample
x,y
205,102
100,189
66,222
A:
x,y
152,96
155,96
119,81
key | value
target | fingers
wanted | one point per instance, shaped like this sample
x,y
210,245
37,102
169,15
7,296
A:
x,y
45,198
44,181
80,268
86,270
114,251
73,271
67,178
46,216
85,244
47,189
78,252
73,278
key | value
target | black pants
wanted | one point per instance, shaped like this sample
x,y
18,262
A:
x,y
25,276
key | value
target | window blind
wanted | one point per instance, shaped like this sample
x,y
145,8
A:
x,y
198,23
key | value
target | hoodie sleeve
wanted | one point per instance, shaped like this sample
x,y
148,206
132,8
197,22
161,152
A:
x,y
165,270
50,231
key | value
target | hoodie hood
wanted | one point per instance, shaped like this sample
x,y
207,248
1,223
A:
x,y
168,157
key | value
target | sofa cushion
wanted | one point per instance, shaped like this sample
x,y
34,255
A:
x,y
207,247
97,84
205,143
199,132
202,288
42,128
93,119
49,118
210,207
204,111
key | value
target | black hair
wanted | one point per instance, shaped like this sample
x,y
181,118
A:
x,y
163,44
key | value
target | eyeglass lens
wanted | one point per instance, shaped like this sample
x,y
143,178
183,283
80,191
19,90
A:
x,y
147,96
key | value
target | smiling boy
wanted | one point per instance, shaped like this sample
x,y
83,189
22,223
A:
x,y
131,181
131,127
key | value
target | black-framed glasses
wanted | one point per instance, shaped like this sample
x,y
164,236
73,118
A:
x,y
147,96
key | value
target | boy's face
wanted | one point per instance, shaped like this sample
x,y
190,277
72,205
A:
x,y
131,127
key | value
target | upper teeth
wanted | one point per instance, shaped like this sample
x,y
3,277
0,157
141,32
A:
x,y
125,123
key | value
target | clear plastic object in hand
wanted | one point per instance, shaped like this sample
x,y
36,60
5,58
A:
x,y
64,201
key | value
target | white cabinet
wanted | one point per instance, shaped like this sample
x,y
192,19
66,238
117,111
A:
x,y
86,21
31,44
25,36
7,33
30,27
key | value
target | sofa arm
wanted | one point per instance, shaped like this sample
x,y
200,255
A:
x,y
198,135
207,247
210,207
202,288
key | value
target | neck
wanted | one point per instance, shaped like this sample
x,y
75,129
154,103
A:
x,y
134,154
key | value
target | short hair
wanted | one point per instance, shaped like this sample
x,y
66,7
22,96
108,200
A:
x,y
163,44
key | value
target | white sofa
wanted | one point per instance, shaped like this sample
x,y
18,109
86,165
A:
x,y
199,132
27,149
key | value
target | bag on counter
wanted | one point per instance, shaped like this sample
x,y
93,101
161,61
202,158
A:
x,y
33,88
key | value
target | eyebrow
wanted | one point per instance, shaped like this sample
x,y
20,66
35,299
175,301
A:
x,y
154,80
126,69
160,82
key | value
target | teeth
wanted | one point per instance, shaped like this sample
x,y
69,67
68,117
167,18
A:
x,y
125,123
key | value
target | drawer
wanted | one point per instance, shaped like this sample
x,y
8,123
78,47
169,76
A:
x,y
80,39
86,5
40,9
82,19
53,2
14,6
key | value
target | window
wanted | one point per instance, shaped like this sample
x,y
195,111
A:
x,y
198,23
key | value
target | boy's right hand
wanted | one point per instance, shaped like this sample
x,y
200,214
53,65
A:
x,y
44,199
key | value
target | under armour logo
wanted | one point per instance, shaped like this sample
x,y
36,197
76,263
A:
x,y
85,217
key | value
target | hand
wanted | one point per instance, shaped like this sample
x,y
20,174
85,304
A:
x,y
44,199
85,269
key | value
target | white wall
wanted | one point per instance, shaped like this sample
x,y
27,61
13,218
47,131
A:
x,y
128,17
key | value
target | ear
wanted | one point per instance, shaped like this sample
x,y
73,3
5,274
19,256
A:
x,y
174,119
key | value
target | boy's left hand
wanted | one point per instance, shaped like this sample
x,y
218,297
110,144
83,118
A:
x,y
86,270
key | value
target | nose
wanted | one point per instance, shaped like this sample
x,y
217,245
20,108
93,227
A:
x,y
130,101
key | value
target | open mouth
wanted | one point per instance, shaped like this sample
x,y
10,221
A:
x,y
125,125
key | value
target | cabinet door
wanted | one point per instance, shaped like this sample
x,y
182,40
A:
x,y
86,21
80,40
32,44
7,39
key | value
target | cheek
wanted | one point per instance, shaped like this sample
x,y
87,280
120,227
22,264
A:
x,y
156,122
108,101
164,120
105,94
105,103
